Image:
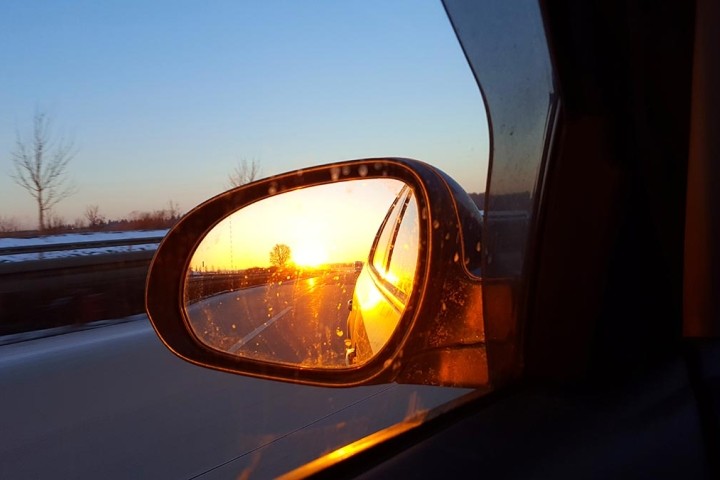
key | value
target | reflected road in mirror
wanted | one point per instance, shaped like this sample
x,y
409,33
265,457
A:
x,y
299,318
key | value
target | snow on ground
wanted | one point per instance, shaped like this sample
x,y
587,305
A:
x,y
76,238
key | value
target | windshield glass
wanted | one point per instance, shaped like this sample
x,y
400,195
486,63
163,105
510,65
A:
x,y
137,112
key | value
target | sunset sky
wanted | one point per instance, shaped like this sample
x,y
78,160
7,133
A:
x,y
163,98
317,231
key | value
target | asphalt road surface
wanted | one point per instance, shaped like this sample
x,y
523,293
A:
x,y
297,322
112,402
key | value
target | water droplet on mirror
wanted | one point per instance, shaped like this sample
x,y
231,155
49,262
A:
x,y
339,332
478,247
436,224
363,171
335,173
456,257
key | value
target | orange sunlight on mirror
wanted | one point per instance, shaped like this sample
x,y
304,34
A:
x,y
278,280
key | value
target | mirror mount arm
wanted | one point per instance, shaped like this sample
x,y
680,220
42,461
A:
x,y
452,350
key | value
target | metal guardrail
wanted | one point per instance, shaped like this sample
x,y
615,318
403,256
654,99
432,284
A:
x,y
72,290
40,293
58,247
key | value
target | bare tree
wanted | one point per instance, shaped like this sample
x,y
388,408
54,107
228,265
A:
x,y
41,166
243,173
93,216
55,223
173,211
280,255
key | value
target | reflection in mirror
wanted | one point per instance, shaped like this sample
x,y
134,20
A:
x,y
315,277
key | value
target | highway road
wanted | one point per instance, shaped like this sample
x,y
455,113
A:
x,y
113,403
297,321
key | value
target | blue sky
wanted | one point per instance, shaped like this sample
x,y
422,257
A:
x,y
163,98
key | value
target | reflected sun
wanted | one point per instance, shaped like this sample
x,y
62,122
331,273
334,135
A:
x,y
309,254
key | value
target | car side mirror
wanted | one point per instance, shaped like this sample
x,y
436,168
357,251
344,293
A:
x,y
259,279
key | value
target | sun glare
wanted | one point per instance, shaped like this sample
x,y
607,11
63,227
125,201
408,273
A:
x,y
309,255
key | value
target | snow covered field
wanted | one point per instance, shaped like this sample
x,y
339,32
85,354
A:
x,y
77,238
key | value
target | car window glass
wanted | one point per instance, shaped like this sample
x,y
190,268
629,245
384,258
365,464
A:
x,y
383,249
403,261
159,106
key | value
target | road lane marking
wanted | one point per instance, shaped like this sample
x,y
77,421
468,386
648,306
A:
x,y
238,345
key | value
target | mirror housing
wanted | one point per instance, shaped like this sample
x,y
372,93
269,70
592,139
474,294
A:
x,y
440,338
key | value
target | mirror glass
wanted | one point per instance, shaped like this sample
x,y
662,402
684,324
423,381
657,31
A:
x,y
314,277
